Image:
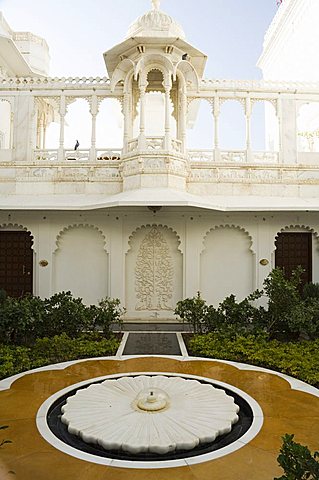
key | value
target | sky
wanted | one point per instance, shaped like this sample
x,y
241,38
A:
x,y
229,32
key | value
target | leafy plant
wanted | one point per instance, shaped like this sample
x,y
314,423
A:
x,y
23,320
64,314
195,312
283,313
297,461
107,313
311,290
60,348
3,442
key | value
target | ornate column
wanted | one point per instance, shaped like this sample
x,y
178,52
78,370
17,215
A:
x,y
216,111
248,105
126,114
62,122
94,109
167,141
280,133
44,132
182,118
11,128
142,137
38,139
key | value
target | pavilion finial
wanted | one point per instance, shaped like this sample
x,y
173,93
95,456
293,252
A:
x,y
156,4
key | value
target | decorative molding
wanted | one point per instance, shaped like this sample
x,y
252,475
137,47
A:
x,y
18,227
300,227
77,225
180,246
230,226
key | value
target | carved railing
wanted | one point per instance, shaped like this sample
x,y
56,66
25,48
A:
x,y
77,155
155,144
50,155
81,155
109,154
232,157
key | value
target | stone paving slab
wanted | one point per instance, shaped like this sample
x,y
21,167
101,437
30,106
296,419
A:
x,y
152,344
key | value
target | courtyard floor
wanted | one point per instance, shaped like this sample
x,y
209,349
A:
x,y
288,406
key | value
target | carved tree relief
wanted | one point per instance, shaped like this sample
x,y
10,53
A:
x,y
154,273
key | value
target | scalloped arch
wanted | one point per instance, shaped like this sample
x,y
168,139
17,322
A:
x,y
77,225
229,225
18,227
120,73
304,228
152,62
150,225
188,72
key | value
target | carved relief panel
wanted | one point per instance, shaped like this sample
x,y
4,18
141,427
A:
x,y
153,271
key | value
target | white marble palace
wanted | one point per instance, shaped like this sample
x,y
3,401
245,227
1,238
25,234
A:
x,y
154,221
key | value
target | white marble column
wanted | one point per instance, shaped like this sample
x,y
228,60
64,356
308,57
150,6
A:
x,y
216,112
142,137
94,112
126,115
279,116
11,129
248,106
182,119
62,124
167,141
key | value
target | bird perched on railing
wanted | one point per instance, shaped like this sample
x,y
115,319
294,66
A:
x,y
77,144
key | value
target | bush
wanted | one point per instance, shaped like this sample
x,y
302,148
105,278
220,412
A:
x,y
107,313
64,314
297,461
20,319
298,359
311,290
46,351
13,360
62,348
23,320
195,312
288,315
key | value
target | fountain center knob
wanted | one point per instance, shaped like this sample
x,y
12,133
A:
x,y
152,400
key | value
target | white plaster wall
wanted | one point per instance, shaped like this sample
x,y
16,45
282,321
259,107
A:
x,y
221,265
81,264
133,304
226,265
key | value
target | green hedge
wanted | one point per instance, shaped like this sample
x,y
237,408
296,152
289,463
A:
x,y
298,359
45,351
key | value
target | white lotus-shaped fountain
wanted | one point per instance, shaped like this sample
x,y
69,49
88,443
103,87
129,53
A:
x,y
156,414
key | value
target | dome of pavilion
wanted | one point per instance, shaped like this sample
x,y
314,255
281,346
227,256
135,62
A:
x,y
155,23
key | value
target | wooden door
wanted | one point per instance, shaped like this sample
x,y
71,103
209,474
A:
x,y
293,249
16,263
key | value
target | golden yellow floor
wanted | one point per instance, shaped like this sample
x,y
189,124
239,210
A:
x,y
30,457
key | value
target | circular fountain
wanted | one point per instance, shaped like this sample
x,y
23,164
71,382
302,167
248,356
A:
x,y
150,417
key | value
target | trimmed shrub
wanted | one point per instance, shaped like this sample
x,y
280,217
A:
x,y
46,351
298,359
